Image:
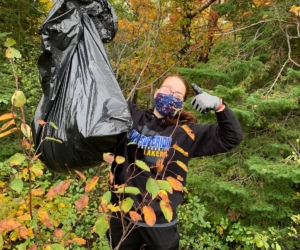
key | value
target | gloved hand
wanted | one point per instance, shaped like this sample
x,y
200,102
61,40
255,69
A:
x,y
204,102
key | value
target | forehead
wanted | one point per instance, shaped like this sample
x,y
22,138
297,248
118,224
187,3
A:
x,y
175,83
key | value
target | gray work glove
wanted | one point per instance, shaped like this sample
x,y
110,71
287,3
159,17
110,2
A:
x,y
204,102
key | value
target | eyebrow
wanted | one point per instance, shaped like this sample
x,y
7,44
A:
x,y
171,89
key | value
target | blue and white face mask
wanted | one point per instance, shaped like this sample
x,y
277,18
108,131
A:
x,y
167,105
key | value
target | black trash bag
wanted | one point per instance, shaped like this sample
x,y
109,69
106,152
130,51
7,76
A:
x,y
81,95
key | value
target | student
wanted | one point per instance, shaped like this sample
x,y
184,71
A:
x,y
153,137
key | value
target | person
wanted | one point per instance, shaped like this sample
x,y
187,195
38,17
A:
x,y
154,139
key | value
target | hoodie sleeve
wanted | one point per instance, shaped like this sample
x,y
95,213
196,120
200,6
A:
x,y
217,138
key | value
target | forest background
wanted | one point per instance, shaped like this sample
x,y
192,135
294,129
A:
x,y
247,52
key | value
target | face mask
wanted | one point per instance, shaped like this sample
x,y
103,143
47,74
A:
x,y
166,105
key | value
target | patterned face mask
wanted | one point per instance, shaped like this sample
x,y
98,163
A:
x,y
166,105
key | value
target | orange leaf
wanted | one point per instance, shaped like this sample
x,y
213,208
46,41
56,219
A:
x,y
164,154
58,232
163,195
6,125
82,202
159,165
179,178
24,217
179,149
37,192
149,215
41,122
103,208
111,177
108,157
48,223
26,144
9,224
33,247
119,186
36,156
92,184
23,232
80,241
58,189
182,165
175,184
189,131
7,116
81,175
135,216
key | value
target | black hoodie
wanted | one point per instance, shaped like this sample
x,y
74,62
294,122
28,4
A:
x,y
150,140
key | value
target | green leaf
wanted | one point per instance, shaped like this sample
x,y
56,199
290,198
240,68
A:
x,y
278,247
53,139
22,246
101,225
128,190
2,35
127,204
185,190
106,197
152,187
17,185
18,99
165,185
166,209
9,41
17,159
56,247
131,143
53,125
142,165
1,238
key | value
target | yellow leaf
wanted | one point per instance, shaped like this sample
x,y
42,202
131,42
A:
x,y
149,215
6,125
26,130
113,208
175,184
189,131
7,116
119,159
18,99
24,217
8,132
91,184
179,149
182,165
166,209
37,192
